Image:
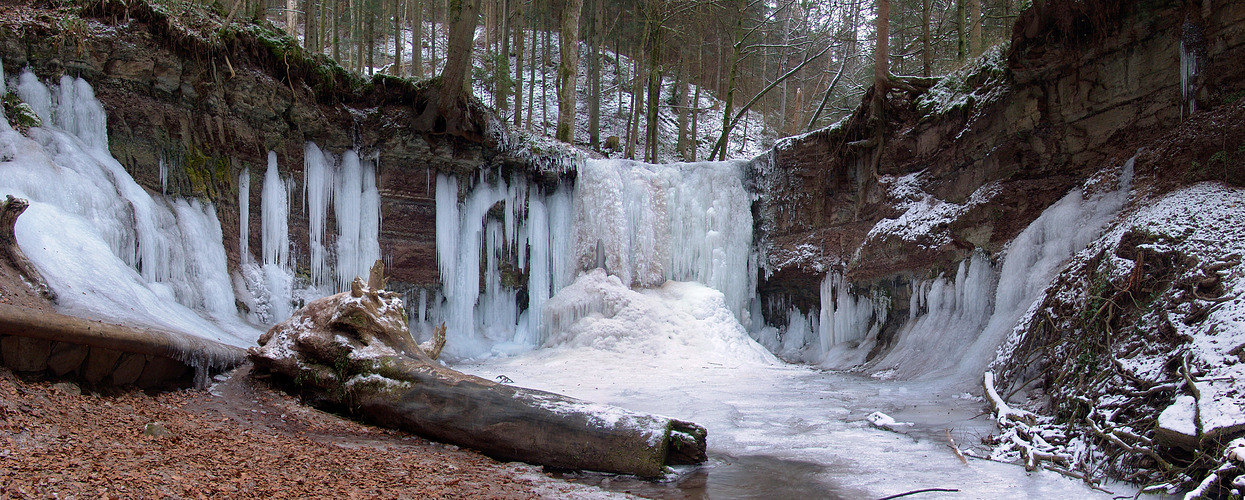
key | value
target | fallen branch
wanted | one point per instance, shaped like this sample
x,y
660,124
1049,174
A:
x,y
955,448
925,490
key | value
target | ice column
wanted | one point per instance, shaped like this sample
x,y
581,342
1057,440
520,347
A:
x,y
36,95
275,212
317,194
356,204
244,215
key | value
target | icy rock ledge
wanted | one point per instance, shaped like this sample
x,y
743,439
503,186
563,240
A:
x,y
352,352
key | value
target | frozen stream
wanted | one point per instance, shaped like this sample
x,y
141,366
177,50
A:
x,y
775,430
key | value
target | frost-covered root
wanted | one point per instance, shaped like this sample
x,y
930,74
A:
x,y
1021,433
1227,480
352,351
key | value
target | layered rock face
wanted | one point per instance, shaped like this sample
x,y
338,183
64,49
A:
x,y
1073,94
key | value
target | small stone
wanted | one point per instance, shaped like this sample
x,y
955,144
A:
x,y
69,388
156,429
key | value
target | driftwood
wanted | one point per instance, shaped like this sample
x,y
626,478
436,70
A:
x,y
201,354
352,352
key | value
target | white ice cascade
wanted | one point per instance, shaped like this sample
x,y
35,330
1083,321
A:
x,y
648,224
527,236
131,257
278,277
957,323
837,334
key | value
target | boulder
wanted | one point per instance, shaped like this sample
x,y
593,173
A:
x,y
353,352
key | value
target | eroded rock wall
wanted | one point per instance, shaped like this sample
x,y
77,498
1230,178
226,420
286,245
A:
x,y
1077,91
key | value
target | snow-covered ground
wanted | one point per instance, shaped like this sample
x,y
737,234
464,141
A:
x,y
678,351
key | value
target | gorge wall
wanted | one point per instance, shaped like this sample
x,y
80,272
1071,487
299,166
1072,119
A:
x,y
1082,87
210,102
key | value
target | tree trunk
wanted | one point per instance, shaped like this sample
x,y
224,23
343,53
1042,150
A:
x,y
310,40
463,16
544,81
927,54
390,381
975,42
417,38
432,26
961,49
637,103
501,97
594,75
337,46
518,67
531,73
291,17
682,87
399,38
568,70
370,39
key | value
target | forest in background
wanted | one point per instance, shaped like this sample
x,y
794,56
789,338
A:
x,y
798,64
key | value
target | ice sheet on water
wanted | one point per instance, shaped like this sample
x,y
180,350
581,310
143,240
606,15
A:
x,y
678,351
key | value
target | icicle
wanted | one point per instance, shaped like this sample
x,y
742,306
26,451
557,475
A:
x,y
275,210
36,95
317,194
538,270
244,215
79,113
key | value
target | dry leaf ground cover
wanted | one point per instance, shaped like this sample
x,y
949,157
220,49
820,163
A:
x,y
240,439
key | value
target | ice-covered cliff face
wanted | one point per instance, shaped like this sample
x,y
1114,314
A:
x,y
106,246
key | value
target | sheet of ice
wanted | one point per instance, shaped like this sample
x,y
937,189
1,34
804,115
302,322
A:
x,y
678,351
683,221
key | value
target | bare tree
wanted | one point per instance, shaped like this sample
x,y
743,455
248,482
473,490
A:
x,y
463,16
568,69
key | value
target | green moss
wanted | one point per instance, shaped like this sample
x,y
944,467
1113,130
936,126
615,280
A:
x,y
20,114
1233,97
209,176
1218,156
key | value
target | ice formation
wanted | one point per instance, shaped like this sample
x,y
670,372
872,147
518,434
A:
x,y
957,323
528,234
644,224
133,258
648,224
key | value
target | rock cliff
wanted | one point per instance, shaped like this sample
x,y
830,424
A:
x,y
1080,88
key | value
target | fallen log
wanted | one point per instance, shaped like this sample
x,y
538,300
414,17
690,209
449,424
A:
x,y
352,352
203,355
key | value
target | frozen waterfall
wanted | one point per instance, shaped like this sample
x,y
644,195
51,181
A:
x,y
109,248
956,323
644,224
